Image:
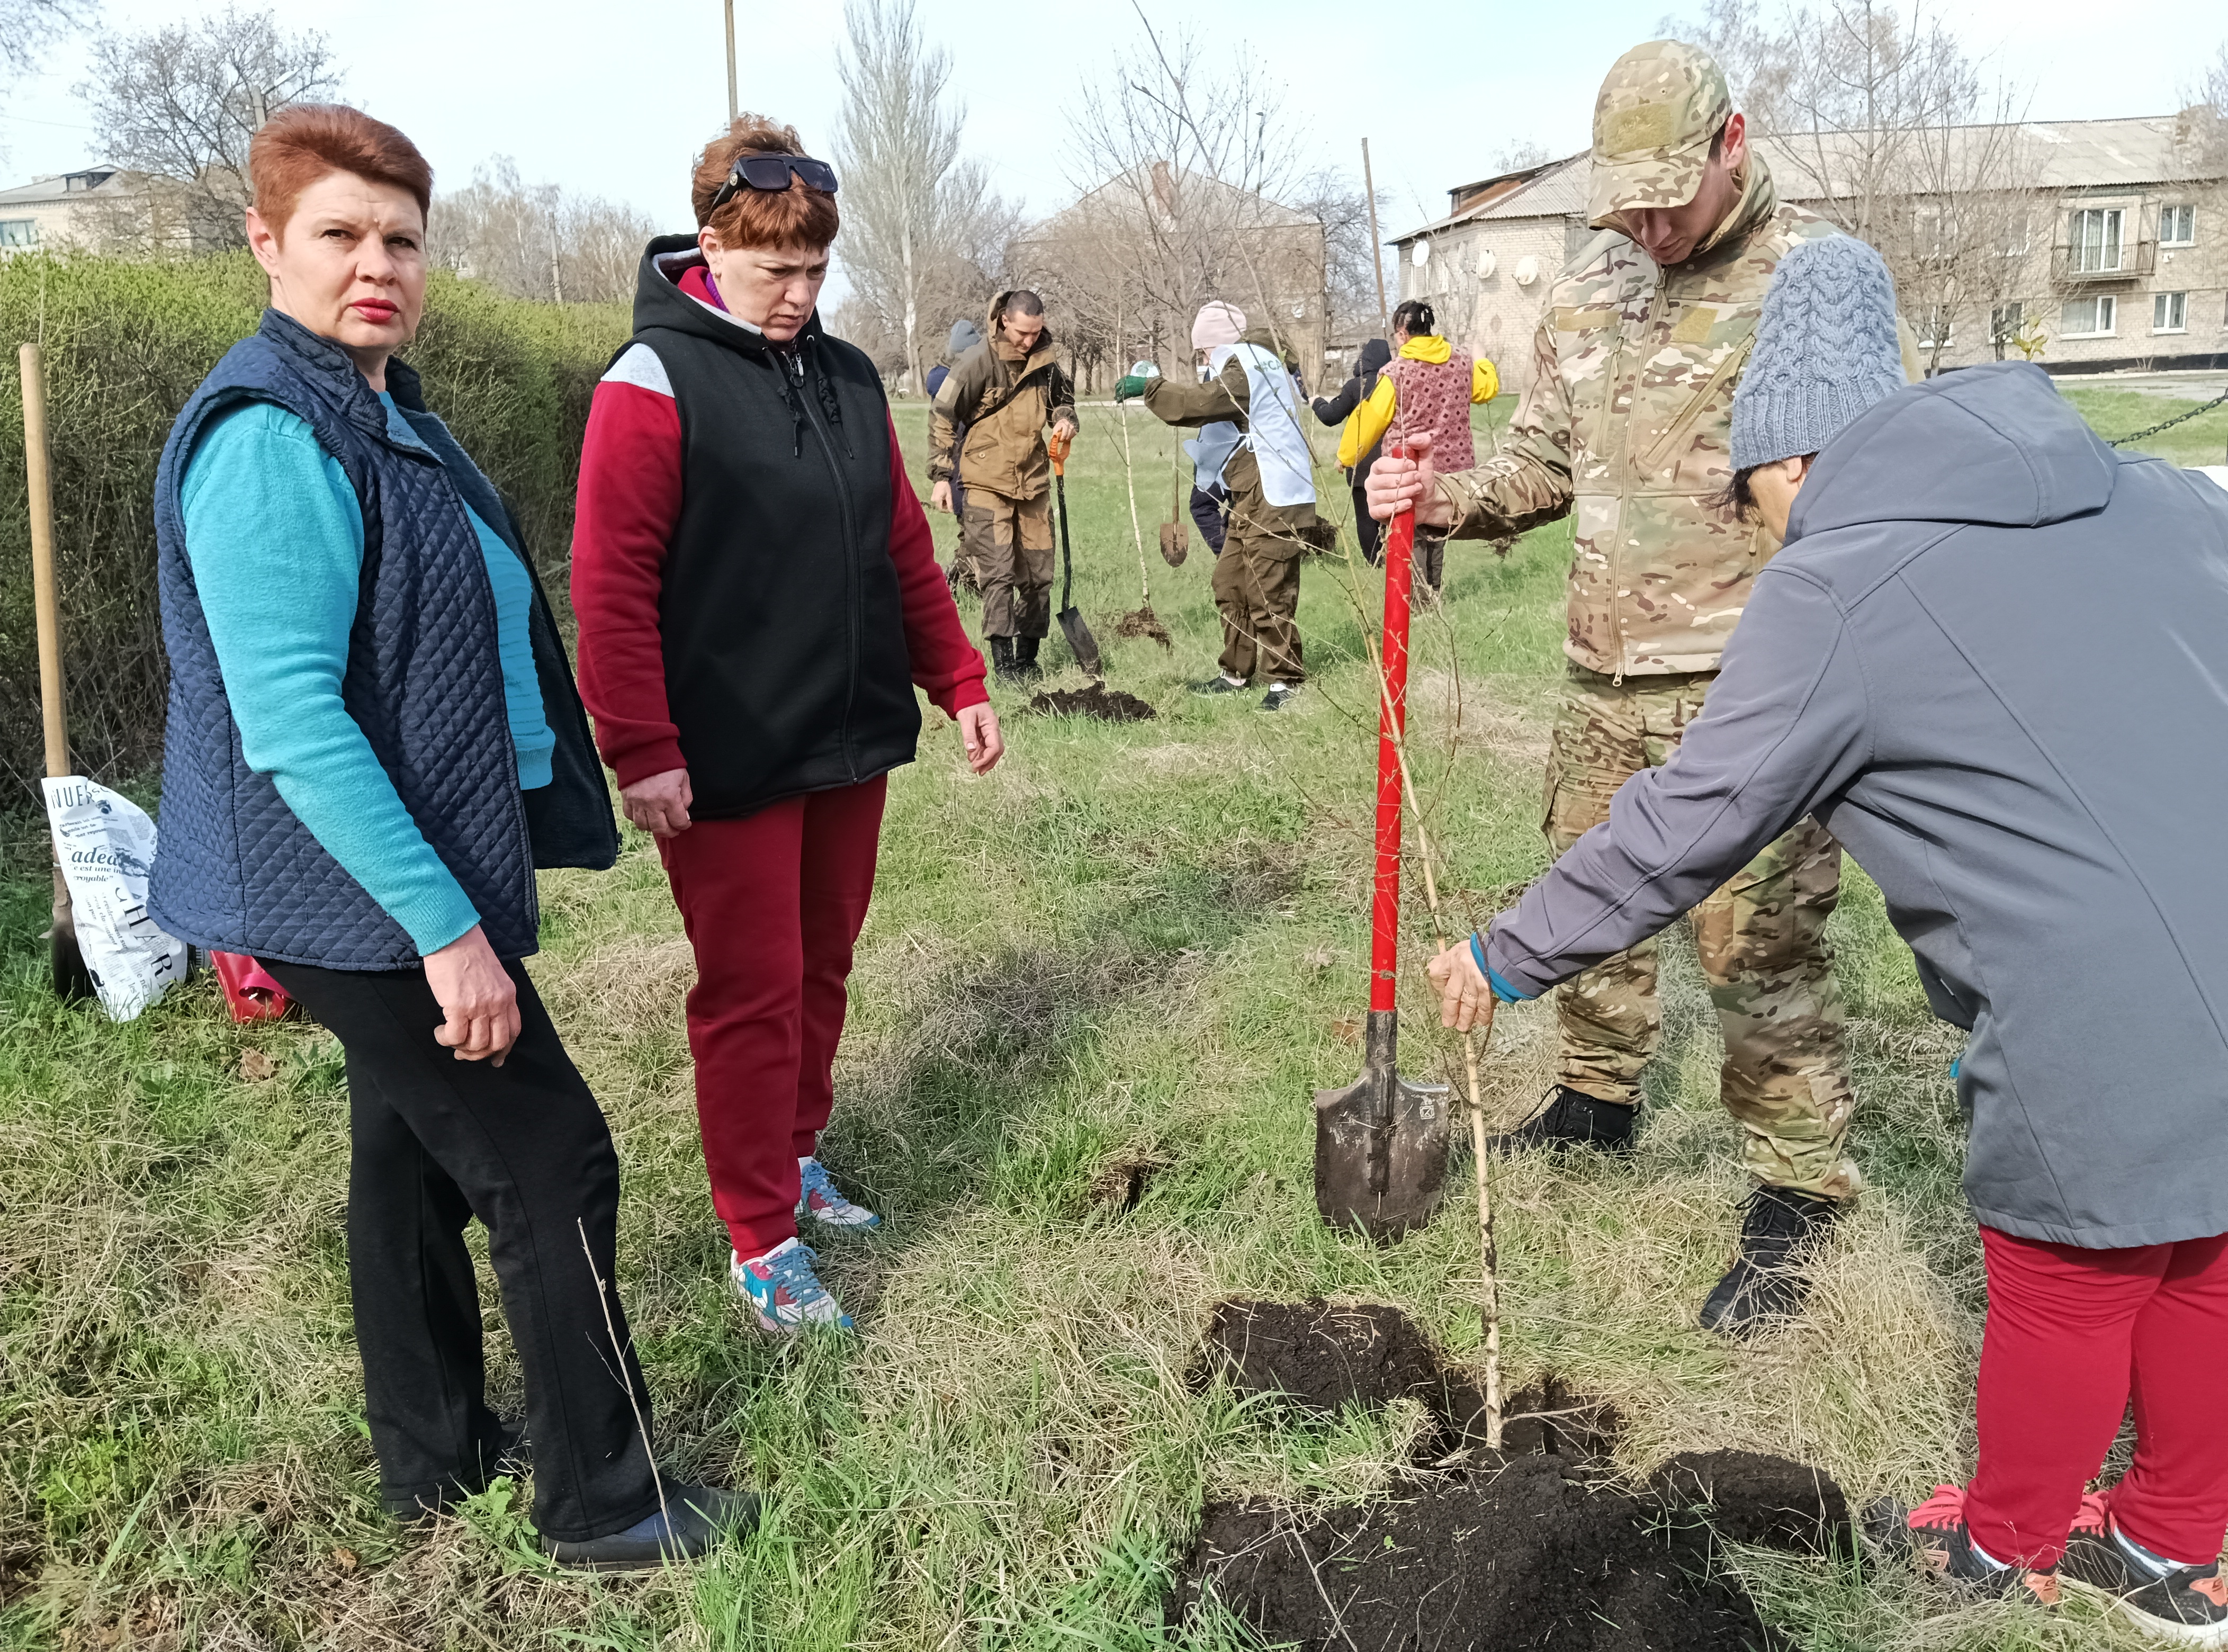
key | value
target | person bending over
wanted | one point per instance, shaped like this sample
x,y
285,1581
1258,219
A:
x,y
757,598
373,739
2047,842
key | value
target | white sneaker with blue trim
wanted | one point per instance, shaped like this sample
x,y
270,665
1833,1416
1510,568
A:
x,y
824,1204
783,1291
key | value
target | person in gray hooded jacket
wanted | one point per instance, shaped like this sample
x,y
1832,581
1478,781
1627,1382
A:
x,y
2048,842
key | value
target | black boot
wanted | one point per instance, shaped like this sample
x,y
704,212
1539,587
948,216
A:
x,y
696,1519
1025,658
1570,1117
1782,1231
1001,659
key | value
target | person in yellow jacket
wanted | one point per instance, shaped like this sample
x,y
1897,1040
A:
x,y
1426,388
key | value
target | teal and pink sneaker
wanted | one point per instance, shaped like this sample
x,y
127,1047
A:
x,y
824,1205
783,1291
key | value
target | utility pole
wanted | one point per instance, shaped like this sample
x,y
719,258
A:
x,y
1376,246
732,110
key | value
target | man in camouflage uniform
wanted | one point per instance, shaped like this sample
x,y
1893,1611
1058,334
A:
x,y
1626,428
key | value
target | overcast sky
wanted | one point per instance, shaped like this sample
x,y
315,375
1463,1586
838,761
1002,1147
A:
x,y
614,99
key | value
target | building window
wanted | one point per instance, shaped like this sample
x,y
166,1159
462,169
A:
x,y
2177,226
2013,242
2096,317
2095,244
19,231
1936,326
2170,312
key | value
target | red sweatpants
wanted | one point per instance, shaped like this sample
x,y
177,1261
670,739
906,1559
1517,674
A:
x,y
2071,1335
773,903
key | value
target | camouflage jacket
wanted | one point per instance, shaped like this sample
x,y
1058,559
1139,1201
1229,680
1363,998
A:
x,y
1627,425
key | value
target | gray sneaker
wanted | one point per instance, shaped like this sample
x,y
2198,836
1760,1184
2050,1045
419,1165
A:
x,y
1280,695
2183,1605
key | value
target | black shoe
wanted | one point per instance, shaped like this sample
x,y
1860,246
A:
x,y
510,1455
1280,695
1933,1536
695,1521
1025,658
1570,1117
1769,1278
1001,660
1219,685
2182,1605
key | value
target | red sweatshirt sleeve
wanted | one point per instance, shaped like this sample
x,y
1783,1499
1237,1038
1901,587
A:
x,y
629,499
947,667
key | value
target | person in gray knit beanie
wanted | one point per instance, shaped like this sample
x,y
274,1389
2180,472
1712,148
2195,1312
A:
x,y
1826,350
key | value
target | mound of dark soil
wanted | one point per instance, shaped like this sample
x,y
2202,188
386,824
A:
x,y
1322,1356
1143,622
1750,1498
1109,704
1524,1556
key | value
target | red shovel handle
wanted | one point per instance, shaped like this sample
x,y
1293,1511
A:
x,y
1391,721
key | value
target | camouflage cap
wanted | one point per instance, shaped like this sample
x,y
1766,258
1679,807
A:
x,y
1661,105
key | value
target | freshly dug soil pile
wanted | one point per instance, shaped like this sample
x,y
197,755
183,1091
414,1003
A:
x,y
1109,704
1322,1356
1143,622
1750,1498
1524,1556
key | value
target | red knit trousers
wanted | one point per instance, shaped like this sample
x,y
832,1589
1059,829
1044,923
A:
x,y
2072,1334
773,903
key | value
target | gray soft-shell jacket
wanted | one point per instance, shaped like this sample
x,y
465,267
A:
x,y
1993,660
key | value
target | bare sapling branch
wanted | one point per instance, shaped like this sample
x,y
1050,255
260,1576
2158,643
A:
x,y
634,1401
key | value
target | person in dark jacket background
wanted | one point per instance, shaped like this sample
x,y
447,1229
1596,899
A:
x,y
373,738
757,598
2048,842
1338,410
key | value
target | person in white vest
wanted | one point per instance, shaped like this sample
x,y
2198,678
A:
x,y
1251,388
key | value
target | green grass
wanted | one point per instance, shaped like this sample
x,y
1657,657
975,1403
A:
x,y
1137,943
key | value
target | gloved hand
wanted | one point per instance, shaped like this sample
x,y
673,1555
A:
x,y
1133,382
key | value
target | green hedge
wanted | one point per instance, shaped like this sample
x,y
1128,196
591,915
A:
x,y
126,343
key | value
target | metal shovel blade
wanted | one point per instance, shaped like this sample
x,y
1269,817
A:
x,y
1175,544
1080,641
1382,1143
65,959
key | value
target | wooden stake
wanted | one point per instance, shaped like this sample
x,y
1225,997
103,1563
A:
x,y
38,475
1376,246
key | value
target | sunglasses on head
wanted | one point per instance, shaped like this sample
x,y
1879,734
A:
x,y
771,173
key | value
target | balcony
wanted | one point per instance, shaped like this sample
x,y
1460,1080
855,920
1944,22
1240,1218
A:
x,y
2136,259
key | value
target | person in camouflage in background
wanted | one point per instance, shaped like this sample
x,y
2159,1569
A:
x,y
1626,428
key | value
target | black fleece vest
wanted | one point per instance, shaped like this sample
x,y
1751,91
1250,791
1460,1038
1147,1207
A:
x,y
786,669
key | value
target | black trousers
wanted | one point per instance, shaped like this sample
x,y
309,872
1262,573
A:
x,y
433,1142
1367,529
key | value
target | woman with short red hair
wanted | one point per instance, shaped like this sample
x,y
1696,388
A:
x,y
758,597
373,739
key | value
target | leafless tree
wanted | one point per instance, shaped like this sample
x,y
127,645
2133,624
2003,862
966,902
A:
x,y
27,29
1880,122
2202,131
1192,188
181,102
536,241
918,222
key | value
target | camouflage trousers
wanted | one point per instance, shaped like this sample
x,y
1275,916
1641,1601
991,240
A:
x,y
1761,938
1008,545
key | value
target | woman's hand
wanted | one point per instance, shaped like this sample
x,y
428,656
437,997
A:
x,y
660,804
1465,996
978,728
1397,484
939,497
476,996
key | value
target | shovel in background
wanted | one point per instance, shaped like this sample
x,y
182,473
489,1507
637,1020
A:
x,y
1175,544
1381,1142
1080,641
71,979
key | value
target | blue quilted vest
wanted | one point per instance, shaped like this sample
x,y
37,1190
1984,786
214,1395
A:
x,y
235,869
